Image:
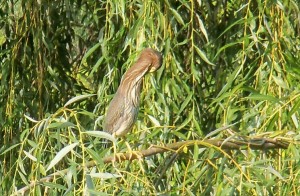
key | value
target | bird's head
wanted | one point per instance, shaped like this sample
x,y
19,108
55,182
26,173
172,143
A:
x,y
153,57
149,61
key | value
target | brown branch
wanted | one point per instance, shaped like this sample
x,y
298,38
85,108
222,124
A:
x,y
256,144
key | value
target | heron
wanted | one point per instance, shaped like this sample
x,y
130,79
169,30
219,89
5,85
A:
x,y
123,109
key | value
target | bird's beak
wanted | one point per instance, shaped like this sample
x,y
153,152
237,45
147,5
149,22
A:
x,y
152,69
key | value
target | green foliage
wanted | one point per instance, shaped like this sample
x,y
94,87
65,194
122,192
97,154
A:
x,y
226,63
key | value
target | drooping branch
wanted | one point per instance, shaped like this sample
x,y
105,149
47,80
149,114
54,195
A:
x,y
256,144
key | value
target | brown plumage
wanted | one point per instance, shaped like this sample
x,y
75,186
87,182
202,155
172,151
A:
x,y
123,109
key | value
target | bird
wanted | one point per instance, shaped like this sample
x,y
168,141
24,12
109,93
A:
x,y
123,109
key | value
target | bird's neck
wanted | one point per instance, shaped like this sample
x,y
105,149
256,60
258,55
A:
x,y
130,86
131,82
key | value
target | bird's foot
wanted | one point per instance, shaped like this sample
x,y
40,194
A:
x,y
133,154
129,155
118,157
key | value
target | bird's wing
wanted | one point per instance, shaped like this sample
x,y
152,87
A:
x,y
115,113
121,116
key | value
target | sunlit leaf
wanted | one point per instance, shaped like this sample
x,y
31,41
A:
x,y
280,82
104,175
30,156
31,119
78,98
154,121
101,134
177,16
203,30
203,56
60,155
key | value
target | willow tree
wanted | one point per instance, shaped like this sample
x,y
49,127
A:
x,y
230,71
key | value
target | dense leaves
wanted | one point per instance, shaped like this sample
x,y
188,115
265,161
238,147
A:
x,y
232,64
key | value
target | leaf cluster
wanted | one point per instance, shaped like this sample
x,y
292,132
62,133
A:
x,y
230,70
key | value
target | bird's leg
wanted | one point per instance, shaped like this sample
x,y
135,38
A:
x,y
118,156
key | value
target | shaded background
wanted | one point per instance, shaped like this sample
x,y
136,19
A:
x,y
225,62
